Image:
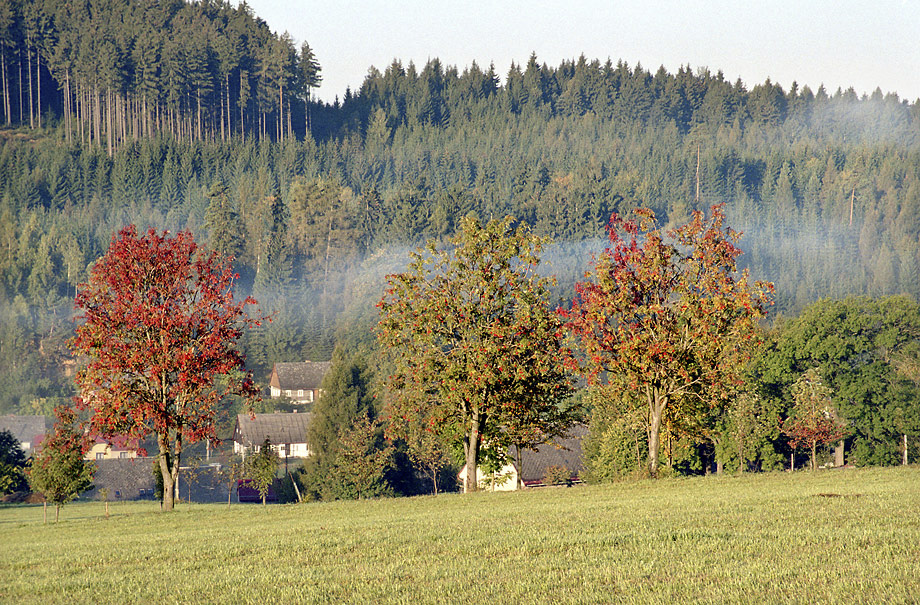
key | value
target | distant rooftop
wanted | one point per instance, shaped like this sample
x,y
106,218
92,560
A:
x,y
278,428
297,375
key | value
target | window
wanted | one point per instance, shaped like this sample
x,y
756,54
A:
x,y
288,392
100,455
122,454
300,393
310,396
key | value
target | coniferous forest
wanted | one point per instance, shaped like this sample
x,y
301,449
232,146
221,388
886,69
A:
x,y
197,116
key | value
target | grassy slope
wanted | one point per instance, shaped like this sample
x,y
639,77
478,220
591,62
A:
x,y
763,538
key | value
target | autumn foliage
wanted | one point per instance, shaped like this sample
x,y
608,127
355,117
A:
x,y
813,421
669,315
473,342
158,329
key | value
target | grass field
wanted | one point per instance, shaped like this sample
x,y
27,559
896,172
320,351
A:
x,y
836,536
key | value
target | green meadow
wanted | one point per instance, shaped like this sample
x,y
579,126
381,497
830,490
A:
x,y
841,536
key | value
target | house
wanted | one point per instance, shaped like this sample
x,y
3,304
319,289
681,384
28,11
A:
x,y
28,430
560,460
298,381
286,431
116,450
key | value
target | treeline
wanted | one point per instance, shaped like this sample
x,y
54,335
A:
x,y
107,72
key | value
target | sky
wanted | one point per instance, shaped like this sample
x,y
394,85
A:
x,y
840,43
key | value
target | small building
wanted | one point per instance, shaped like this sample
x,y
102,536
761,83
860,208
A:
x,y
287,432
561,461
28,430
299,381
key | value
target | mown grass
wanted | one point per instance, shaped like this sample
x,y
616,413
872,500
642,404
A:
x,y
836,536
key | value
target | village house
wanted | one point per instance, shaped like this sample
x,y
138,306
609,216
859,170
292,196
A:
x,y
559,460
286,431
103,450
28,430
299,381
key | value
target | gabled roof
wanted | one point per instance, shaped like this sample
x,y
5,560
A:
x,y
278,428
26,428
296,375
535,462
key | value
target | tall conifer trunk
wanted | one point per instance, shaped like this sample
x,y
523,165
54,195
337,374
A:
x,y
31,98
6,91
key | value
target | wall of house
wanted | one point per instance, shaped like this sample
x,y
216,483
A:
x,y
505,480
103,451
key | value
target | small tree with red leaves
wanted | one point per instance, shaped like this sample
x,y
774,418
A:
x,y
59,471
813,420
674,321
474,344
159,330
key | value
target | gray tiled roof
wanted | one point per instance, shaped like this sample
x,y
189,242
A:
x,y
537,461
278,428
26,428
299,374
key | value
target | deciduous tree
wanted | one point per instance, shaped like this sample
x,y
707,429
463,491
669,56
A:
x,y
674,320
158,325
262,468
473,341
813,420
59,472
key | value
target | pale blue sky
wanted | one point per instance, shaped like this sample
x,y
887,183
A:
x,y
841,43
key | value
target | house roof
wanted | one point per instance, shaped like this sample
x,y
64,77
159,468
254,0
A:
x,y
565,452
296,375
278,428
25,428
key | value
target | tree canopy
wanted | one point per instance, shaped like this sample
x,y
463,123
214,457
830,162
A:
x,y
158,330
672,322
473,341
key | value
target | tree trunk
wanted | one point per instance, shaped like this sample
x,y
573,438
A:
x,y
838,455
31,102
57,512
792,461
169,469
45,512
471,484
38,88
904,459
814,456
657,404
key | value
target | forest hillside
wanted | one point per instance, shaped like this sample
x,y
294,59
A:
x,y
196,116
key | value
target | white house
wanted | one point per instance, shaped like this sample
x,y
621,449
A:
x,y
562,458
287,432
299,381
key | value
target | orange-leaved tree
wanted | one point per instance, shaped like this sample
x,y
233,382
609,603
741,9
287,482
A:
x,y
158,330
474,343
669,314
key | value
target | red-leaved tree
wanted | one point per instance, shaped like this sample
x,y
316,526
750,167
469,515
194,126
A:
x,y
813,421
674,321
158,330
